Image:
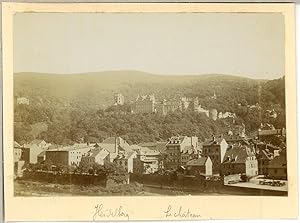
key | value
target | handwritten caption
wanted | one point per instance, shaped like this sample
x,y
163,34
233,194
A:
x,y
180,212
101,212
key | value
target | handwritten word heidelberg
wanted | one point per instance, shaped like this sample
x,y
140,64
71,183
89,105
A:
x,y
101,212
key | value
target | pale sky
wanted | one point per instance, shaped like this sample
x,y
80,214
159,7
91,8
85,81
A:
x,y
246,44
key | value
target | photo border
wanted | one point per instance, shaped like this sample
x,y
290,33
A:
x,y
153,207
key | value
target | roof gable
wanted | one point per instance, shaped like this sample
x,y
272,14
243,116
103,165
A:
x,y
197,162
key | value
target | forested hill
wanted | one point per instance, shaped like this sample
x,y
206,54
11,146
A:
x,y
95,90
69,108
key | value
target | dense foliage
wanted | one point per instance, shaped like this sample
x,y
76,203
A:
x,y
76,115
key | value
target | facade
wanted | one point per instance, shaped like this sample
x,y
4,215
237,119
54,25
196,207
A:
x,y
69,155
200,166
115,146
126,161
215,148
17,152
41,157
147,161
144,104
31,151
172,106
263,158
278,168
118,99
181,149
168,106
240,160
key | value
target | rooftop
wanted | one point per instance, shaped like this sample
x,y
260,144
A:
x,y
278,162
213,141
70,148
125,156
197,162
176,140
97,151
16,145
238,154
36,141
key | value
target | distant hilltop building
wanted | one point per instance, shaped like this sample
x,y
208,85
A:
x,y
148,104
144,104
226,115
168,106
22,101
202,110
213,113
118,99
214,96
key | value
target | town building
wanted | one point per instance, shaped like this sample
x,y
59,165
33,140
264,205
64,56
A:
x,y
68,155
126,161
159,146
277,168
215,148
17,152
181,149
118,99
272,136
144,104
237,140
200,166
115,146
31,151
264,157
240,160
41,157
96,156
147,160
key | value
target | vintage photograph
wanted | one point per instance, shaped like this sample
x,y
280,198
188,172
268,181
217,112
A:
x,y
169,111
149,104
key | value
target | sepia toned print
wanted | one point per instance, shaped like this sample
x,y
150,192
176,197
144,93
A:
x,y
211,124
138,105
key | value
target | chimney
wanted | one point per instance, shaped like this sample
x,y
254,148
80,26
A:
x,y
116,145
214,138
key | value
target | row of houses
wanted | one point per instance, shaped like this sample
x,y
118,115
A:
x,y
226,155
222,155
132,158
